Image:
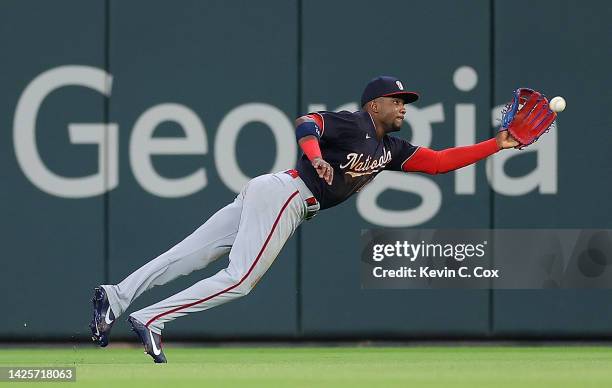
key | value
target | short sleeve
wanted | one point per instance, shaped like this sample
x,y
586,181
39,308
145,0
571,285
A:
x,y
335,125
401,152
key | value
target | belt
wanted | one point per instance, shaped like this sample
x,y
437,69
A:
x,y
312,205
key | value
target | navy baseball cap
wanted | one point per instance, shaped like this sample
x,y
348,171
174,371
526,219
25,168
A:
x,y
385,86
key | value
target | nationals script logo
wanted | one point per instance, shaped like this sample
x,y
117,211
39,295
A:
x,y
358,167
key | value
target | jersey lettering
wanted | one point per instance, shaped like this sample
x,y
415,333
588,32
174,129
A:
x,y
349,144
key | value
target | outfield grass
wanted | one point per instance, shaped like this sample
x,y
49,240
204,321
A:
x,y
438,366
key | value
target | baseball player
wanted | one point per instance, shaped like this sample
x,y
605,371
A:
x,y
343,151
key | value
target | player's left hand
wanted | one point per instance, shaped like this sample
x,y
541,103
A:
x,y
505,140
324,169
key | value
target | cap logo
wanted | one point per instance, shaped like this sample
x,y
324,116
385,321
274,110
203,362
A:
x,y
399,85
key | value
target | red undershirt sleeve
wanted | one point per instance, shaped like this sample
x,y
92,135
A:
x,y
311,147
439,162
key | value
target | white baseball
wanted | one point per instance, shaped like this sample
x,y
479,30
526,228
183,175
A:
x,y
557,104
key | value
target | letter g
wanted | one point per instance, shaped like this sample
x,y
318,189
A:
x,y
24,134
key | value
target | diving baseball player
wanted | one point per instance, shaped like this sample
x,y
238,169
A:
x,y
343,151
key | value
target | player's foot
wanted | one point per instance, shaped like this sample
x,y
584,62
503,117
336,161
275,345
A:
x,y
103,317
152,342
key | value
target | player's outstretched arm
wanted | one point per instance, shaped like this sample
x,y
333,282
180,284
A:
x,y
439,162
307,134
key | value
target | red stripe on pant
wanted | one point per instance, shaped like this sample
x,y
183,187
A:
x,y
241,280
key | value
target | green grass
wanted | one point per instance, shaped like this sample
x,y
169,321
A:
x,y
438,366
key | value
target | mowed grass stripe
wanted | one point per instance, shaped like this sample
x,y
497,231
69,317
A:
x,y
439,366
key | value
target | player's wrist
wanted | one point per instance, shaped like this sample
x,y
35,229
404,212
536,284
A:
x,y
498,141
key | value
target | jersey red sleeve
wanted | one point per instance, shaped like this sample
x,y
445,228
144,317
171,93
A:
x,y
439,162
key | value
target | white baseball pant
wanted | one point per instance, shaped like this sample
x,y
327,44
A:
x,y
253,229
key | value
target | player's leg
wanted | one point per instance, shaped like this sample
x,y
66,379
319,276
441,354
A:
x,y
206,244
210,241
272,210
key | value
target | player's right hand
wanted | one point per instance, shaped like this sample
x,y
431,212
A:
x,y
324,169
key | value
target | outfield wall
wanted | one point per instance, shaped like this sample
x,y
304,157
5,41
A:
x,y
93,185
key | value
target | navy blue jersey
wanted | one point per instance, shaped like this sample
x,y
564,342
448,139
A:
x,y
348,143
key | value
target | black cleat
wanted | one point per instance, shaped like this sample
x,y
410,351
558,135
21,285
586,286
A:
x,y
103,317
152,342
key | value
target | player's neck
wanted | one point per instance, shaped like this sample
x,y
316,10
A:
x,y
382,129
380,132
378,127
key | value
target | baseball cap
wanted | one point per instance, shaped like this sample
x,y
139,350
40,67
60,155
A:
x,y
386,86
